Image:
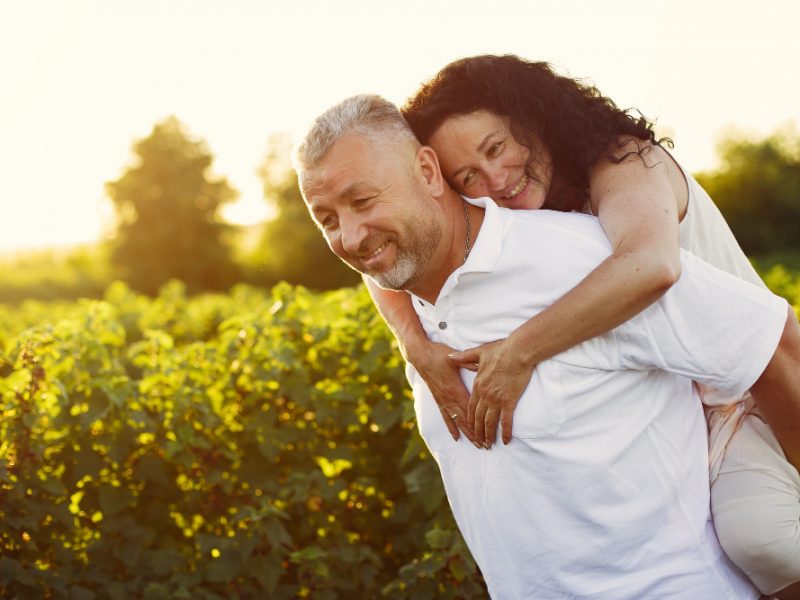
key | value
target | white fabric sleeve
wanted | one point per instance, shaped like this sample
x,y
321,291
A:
x,y
710,327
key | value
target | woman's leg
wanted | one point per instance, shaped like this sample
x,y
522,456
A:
x,y
756,506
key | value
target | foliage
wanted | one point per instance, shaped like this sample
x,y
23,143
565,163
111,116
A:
x,y
292,248
167,209
757,189
49,274
251,445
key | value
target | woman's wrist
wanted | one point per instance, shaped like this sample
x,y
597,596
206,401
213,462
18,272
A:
x,y
523,348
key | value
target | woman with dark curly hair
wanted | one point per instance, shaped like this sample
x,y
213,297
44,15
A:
x,y
528,138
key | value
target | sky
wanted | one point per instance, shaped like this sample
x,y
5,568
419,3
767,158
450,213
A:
x,y
81,81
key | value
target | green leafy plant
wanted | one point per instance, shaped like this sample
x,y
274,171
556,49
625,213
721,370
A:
x,y
249,445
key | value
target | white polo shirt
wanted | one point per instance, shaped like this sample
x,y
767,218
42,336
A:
x,y
603,490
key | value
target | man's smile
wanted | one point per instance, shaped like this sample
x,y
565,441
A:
x,y
370,259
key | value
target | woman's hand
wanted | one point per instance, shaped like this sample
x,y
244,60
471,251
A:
x,y
502,377
431,360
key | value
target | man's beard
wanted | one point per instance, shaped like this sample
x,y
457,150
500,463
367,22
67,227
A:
x,y
420,242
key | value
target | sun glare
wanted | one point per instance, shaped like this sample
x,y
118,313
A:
x,y
82,81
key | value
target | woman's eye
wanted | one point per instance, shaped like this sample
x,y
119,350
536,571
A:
x,y
495,148
469,179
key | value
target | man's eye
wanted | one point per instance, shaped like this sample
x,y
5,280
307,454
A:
x,y
328,222
361,202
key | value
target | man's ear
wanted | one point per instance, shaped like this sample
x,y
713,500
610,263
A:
x,y
428,163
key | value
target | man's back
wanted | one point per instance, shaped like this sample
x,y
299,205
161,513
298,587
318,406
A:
x,y
603,491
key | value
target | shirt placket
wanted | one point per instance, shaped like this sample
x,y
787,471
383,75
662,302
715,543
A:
x,y
446,324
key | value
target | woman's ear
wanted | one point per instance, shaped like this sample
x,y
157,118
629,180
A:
x,y
428,163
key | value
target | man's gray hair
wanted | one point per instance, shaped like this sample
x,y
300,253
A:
x,y
365,114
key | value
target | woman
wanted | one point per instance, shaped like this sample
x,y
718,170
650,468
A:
x,y
528,138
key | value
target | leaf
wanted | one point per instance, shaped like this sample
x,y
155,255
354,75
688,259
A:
x,y
163,561
307,554
77,592
457,569
151,468
113,500
99,405
87,462
128,553
385,414
52,485
156,591
439,538
424,481
276,533
9,569
225,568
16,382
267,570
116,591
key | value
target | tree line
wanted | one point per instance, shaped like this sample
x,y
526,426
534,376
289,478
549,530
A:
x,y
169,224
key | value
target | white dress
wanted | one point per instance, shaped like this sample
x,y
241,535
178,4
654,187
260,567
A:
x,y
755,491
705,233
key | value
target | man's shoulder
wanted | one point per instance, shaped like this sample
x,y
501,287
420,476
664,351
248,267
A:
x,y
561,225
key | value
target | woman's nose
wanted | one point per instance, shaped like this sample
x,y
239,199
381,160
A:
x,y
498,179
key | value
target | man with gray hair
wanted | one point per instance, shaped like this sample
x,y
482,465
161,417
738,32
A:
x,y
603,490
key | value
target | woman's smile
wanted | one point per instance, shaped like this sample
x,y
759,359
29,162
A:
x,y
479,156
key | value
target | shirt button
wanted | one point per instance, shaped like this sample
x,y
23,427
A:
x,y
442,325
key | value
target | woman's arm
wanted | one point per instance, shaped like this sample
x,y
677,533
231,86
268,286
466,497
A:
x,y
777,391
429,359
639,202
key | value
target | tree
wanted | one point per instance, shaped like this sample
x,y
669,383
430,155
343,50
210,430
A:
x,y
757,189
168,214
292,248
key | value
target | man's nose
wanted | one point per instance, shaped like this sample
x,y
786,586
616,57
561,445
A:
x,y
353,233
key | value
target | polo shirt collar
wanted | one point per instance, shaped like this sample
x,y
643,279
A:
x,y
485,251
488,242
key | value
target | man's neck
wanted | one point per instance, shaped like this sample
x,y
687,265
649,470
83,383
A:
x,y
465,222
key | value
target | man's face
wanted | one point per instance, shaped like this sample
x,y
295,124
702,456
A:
x,y
372,209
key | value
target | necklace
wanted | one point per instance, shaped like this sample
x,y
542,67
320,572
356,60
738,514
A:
x,y
469,232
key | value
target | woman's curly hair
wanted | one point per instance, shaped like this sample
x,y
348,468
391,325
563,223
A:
x,y
574,121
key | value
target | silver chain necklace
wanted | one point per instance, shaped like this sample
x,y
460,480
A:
x,y
469,233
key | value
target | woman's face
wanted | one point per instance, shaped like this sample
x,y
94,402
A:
x,y
480,157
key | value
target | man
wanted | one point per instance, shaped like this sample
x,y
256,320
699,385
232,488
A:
x,y
603,490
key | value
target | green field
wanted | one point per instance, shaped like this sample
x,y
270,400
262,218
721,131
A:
x,y
251,444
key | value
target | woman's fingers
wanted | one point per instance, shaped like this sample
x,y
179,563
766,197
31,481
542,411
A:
x,y
474,399
506,422
450,417
470,356
491,420
486,420
479,423
452,402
